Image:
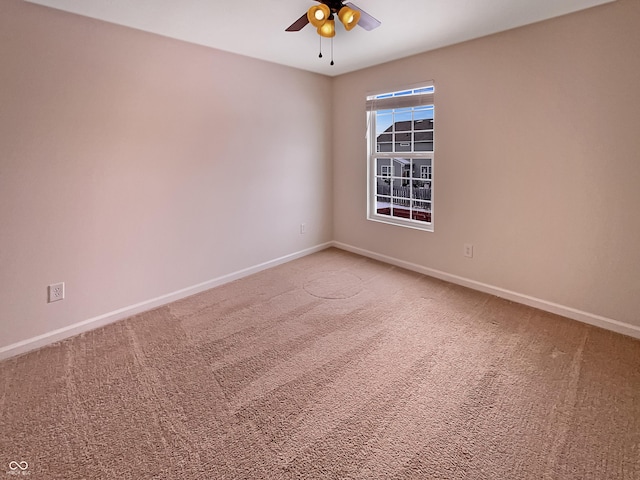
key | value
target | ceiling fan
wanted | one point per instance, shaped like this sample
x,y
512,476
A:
x,y
322,17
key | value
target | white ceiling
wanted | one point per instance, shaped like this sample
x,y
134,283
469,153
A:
x,y
256,27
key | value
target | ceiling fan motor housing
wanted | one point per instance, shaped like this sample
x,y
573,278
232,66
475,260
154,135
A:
x,y
334,5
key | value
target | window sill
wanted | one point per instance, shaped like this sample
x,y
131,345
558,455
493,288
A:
x,y
401,222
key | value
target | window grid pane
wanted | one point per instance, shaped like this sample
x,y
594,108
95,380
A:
x,y
401,131
407,193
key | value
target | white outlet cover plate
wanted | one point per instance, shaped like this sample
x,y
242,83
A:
x,y
56,292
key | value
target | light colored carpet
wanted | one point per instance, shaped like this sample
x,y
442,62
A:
x,y
332,366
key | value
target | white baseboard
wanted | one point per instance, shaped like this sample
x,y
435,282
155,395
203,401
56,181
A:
x,y
584,317
122,313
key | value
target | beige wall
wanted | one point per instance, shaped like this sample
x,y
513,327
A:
x,y
537,161
133,166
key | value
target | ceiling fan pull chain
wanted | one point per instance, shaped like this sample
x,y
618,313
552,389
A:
x,y
320,56
331,50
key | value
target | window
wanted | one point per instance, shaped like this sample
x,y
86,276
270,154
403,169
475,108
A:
x,y
400,160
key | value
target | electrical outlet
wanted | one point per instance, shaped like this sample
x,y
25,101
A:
x,y
468,250
303,229
56,292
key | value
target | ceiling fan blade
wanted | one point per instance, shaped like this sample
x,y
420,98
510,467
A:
x,y
298,24
366,21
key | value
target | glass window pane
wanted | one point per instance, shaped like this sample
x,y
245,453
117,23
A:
x,y
421,216
403,126
429,89
403,114
383,187
401,194
424,136
421,118
384,121
383,167
423,146
383,205
401,212
422,194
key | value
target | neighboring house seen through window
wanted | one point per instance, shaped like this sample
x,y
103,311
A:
x,y
400,164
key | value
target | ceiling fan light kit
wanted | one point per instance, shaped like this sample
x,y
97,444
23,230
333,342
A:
x,y
322,17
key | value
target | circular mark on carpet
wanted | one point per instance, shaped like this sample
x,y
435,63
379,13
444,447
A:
x,y
333,285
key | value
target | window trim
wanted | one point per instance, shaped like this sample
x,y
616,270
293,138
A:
x,y
373,155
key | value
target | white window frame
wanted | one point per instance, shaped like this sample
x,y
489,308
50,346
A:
x,y
374,103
